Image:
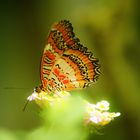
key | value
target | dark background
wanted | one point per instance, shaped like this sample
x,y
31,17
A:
x,y
111,29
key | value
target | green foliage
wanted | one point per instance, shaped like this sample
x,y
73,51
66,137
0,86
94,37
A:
x,y
7,135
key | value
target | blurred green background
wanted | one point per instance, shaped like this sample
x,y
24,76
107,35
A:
x,y
111,29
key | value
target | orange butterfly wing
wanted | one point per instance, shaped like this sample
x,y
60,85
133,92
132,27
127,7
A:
x,y
66,64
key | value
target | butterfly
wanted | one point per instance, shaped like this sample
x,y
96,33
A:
x,y
66,64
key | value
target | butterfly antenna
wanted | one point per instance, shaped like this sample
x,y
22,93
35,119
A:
x,y
25,105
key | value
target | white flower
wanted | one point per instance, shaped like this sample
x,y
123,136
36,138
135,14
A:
x,y
103,105
98,113
33,96
96,117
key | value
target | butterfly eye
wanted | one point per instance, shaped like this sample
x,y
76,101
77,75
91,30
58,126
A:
x,y
38,89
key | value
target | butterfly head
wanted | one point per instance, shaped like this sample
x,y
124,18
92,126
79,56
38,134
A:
x,y
39,89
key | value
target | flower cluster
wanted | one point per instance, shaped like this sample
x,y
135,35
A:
x,y
44,99
97,114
